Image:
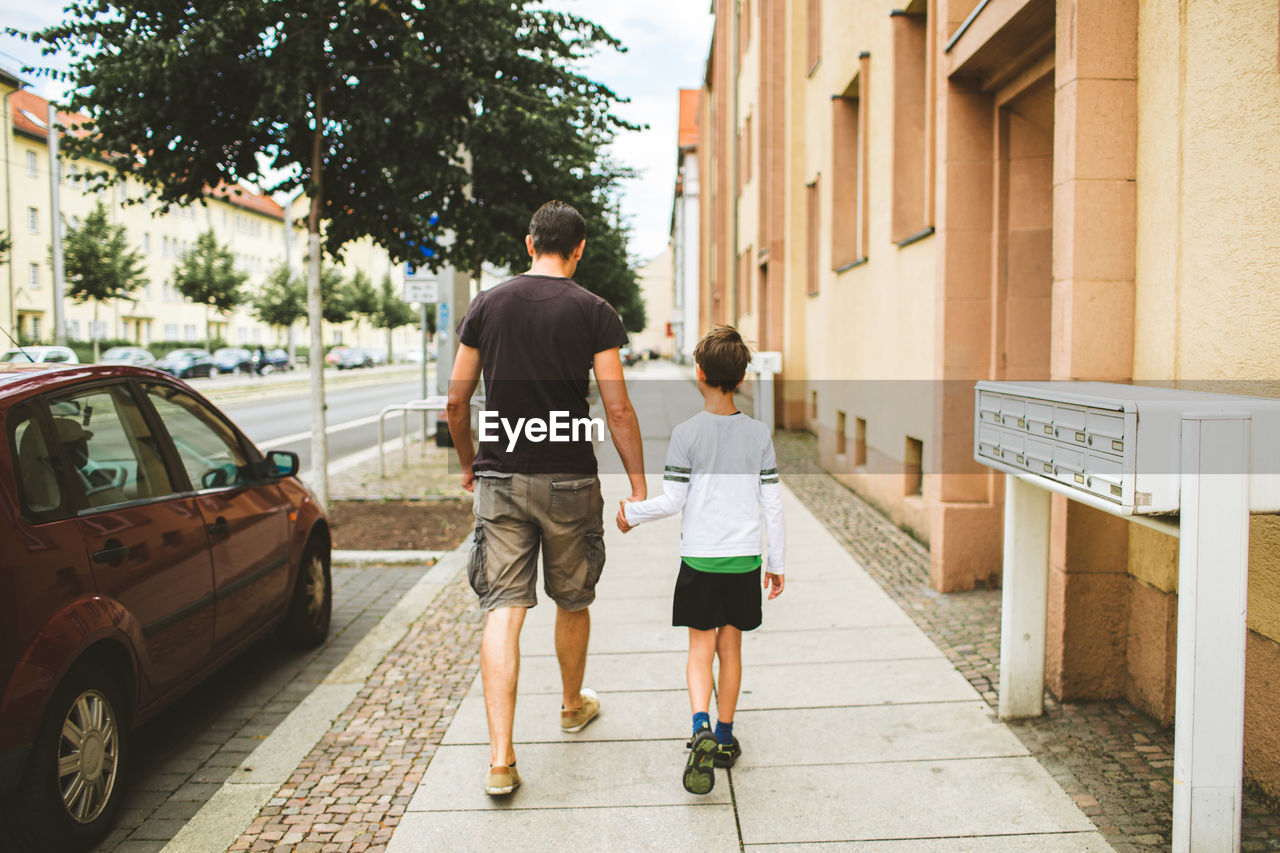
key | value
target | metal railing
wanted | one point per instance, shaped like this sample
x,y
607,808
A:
x,y
434,403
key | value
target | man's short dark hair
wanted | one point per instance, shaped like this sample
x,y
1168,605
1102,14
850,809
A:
x,y
557,228
723,357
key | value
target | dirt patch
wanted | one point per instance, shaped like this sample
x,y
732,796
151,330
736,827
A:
x,y
400,525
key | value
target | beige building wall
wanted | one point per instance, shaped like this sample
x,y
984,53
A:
x,y
869,326
1207,298
656,283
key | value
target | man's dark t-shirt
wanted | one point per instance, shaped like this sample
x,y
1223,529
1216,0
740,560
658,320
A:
x,y
537,336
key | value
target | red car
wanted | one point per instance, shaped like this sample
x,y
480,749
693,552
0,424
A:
x,y
144,542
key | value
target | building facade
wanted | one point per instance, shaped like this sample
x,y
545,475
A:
x,y
906,197
253,226
685,232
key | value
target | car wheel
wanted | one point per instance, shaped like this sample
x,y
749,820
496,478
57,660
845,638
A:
x,y
266,370
310,606
72,789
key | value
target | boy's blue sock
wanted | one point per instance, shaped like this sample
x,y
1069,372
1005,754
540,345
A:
x,y
700,719
724,731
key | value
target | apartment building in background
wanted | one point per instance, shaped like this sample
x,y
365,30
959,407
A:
x,y
685,231
253,226
906,197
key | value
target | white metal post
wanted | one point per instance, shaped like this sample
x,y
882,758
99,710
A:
x,y
55,236
1025,596
1213,572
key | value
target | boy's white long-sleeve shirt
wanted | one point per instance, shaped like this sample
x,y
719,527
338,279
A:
x,y
722,472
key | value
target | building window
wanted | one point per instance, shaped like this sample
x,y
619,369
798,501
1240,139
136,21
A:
x,y
189,332
243,334
744,282
170,331
912,126
73,329
33,276
813,35
99,329
841,425
146,243
849,220
32,163
859,442
913,458
35,327
33,220
812,237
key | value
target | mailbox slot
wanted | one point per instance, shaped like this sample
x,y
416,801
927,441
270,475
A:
x,y
1013,412
989,441
1012,445
1105,431
989,407
1039,456
1105,477
1039,419
1068,466
1069,426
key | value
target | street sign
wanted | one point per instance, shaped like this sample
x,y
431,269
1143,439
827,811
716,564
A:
x,y
421,290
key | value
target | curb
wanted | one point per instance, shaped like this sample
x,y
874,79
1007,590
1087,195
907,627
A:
x,y
234,806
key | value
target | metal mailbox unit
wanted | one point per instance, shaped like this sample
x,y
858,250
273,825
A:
x,y
1191,464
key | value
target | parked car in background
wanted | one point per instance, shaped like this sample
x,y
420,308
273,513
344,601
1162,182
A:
x,y
147,542
377,355
629,356
234,360
269,361
187,363
127,355
334,355
354,357
41,355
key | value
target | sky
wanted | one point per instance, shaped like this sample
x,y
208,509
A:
x,y
667,43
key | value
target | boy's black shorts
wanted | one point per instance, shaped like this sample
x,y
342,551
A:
x,y
707,600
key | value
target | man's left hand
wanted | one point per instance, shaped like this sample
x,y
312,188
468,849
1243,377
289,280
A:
x,y
468,479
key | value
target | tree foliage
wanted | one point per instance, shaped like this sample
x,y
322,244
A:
x,y
5,245
282,301
606,269
435,117
100,264
207,276
360,297
333,295
393,312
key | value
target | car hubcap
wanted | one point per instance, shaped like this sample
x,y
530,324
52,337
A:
x,y
88,756
315,587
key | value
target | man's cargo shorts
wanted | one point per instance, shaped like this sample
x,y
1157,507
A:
x,y
517,513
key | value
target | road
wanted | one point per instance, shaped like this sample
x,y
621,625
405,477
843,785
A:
x,y
283,421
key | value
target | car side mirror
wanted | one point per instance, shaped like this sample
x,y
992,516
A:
x,y
282,463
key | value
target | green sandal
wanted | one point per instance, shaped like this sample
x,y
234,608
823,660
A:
x,y
699,771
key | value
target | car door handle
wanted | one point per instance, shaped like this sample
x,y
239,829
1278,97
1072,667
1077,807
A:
x,y
113,553
220,527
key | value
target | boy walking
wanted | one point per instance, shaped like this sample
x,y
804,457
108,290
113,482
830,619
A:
x,y
722,473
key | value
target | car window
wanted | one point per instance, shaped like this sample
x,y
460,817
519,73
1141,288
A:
x,y
209,449
113,453
41,488
53,356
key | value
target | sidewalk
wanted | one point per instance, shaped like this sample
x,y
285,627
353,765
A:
x,y
910,757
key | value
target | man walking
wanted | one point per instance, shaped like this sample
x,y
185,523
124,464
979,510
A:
x,y
535,338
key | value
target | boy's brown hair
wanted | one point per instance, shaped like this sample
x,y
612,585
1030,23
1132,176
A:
x,y
723,357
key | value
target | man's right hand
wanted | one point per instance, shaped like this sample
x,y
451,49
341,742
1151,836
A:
x,y
468,479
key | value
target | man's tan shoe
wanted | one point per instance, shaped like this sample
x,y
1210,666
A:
x,y
577,719
501,780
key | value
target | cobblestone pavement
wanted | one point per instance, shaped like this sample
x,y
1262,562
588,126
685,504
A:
x,y
1116,763
351,790
183,756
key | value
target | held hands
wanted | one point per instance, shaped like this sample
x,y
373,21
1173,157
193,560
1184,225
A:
x,y
622,515
774,583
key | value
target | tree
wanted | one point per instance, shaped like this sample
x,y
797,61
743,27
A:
x,y
207,276
393,312
607,270
333,296
100,265
361,298
385,113
5,245
282,301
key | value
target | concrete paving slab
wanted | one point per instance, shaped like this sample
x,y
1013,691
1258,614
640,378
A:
x,y
539,639
825,685
705,828
575,775
909,800
643,715
1070,842
944,730
832,611
606,673
837,644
